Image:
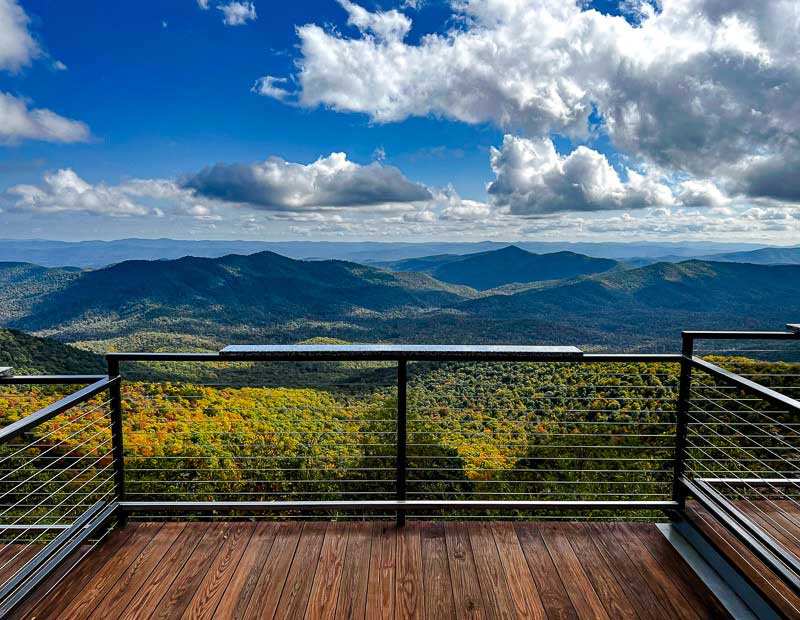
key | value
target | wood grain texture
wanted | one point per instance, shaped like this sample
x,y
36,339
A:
x,y
297,589
643,599
234,601
768,585
183,588
555,600
527,604
409,595
51,606
436,572
203,604
679,572
656,576
494,588
352,598
609,590
149,596
117,598
114,570
382,569
463,574
579,588
356,569
269,587
328,578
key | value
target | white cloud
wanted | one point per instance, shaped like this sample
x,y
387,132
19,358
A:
x,y
697,193
19,122
384,26
332,181
203,4
17,46
533,179
695,87
456,208
268,86
66,191
237,13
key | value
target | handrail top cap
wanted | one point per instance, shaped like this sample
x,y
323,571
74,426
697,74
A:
x,y
389,350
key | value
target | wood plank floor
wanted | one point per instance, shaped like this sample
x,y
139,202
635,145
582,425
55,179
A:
x,y
779,519
337,570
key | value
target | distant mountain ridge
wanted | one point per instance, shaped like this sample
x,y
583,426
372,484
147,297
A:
x,y
97,254
488,270
202,304
762,256
191,294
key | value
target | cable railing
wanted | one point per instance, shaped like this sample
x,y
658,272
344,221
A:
x,y
57,471
742,453
401,432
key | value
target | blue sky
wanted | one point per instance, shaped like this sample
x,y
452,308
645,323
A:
x,y
165,101
483,119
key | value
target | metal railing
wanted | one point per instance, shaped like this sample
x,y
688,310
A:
x,y
742,450
411,445
56,477
403,432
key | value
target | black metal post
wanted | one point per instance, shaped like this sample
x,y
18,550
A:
x,y
402,438
682,419
116,437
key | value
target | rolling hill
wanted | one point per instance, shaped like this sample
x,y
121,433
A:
x,y
194,296
202,304
31,355
488,270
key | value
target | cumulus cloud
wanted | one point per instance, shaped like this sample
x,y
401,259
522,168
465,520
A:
x,y
237,13
694,87
17,46
701,193
66,191
774,176
331,181
384,26
533,179
455,208
19,122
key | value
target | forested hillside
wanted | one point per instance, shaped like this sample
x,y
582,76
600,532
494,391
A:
x,y
31,355
487,270
205,304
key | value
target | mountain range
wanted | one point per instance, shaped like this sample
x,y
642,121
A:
x,y
488,270
205,303
103,253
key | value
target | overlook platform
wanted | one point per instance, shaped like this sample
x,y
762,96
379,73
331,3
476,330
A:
x,y
393,481
372,569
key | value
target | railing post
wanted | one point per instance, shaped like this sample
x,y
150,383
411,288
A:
x,y
682,419
402,439
116,437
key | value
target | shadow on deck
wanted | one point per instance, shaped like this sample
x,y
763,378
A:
x,y
371,569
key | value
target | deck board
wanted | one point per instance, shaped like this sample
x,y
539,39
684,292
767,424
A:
x,y
462,570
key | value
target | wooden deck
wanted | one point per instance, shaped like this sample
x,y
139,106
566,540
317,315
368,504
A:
x,y
437,570
779,519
